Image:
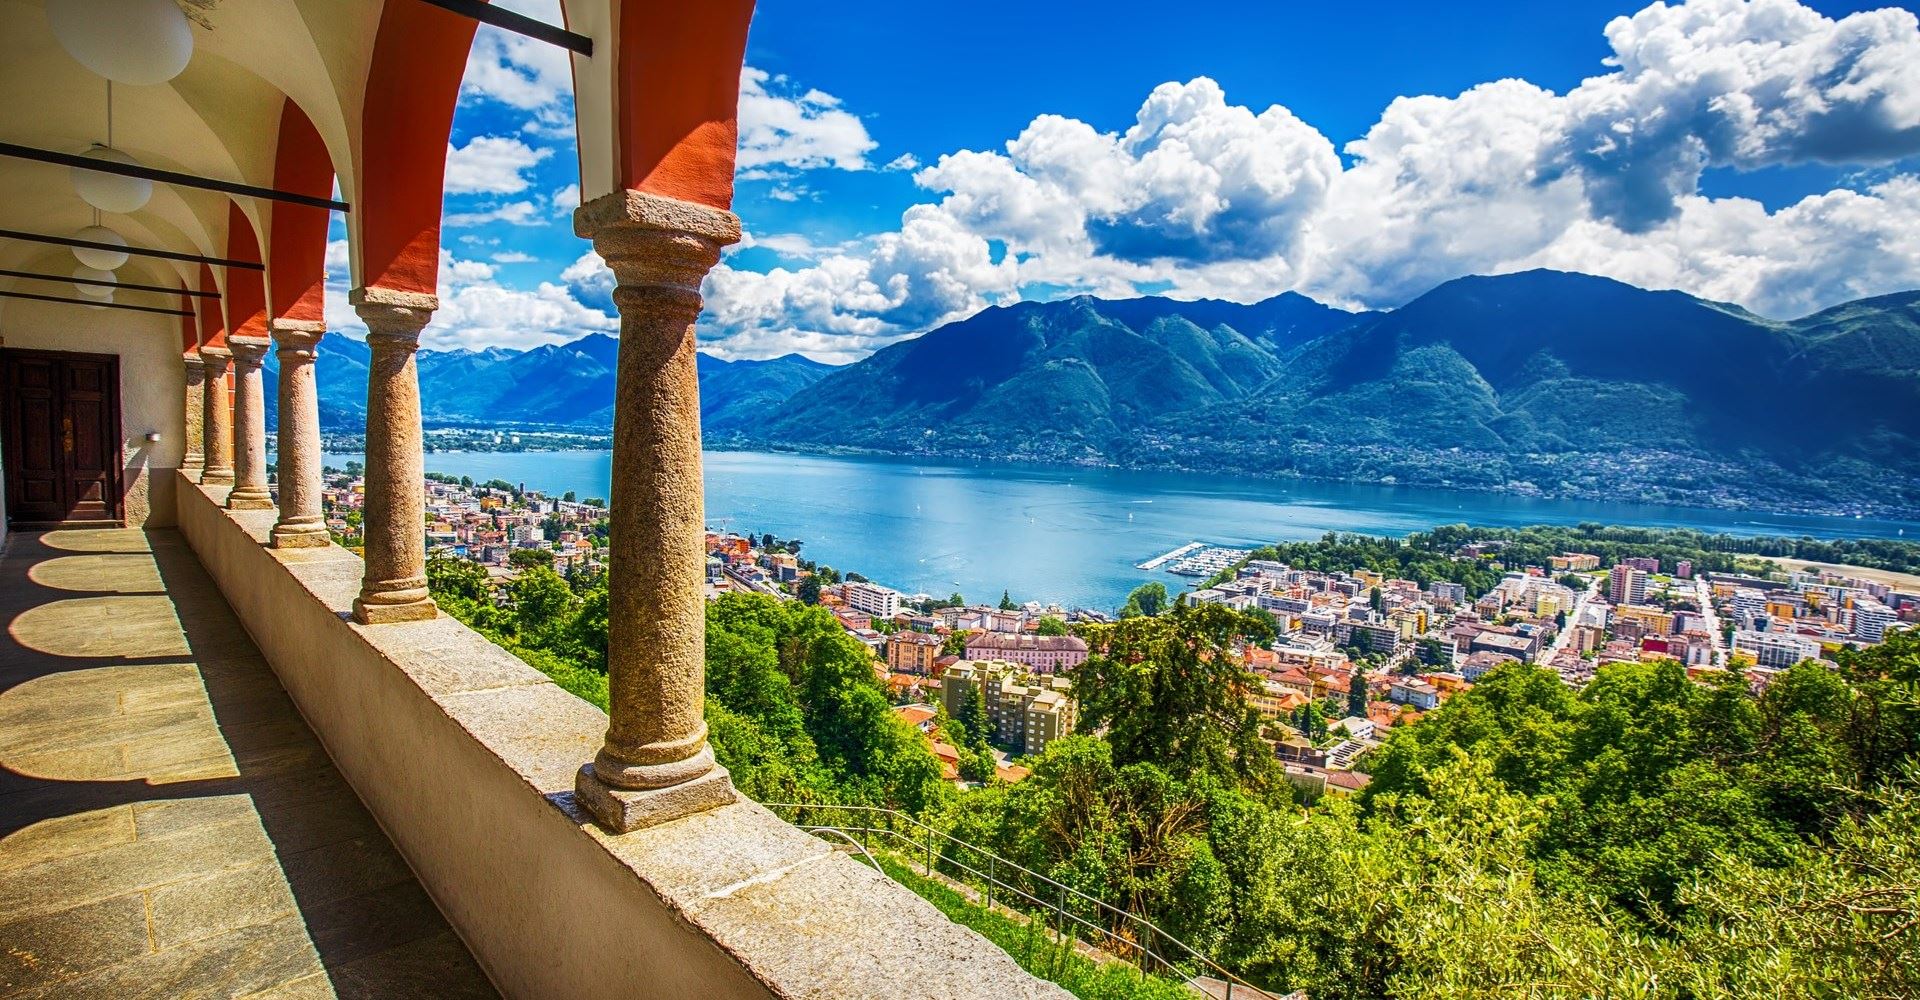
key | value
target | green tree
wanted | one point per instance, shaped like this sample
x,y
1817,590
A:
x,y
1006,601
973,715
1049,625
808,589
1147,599
1357,695
530,558
1169,690
543,604
1311,721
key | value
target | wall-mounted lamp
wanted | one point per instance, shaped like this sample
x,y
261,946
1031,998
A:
x,y
153,437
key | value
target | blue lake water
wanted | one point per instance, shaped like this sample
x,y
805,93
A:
x,y
1071,535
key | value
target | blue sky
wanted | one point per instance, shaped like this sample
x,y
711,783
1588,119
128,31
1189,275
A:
x,y
905,165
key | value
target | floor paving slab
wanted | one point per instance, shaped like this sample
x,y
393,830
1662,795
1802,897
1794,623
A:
x,y
168,825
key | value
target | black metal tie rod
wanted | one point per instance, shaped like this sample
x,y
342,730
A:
x,y
90,302
129,286
70,241
166,176
519,24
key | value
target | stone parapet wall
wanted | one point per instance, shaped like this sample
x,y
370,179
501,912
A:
x,y
467,758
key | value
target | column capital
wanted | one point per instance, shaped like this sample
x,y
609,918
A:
x,y
248,352
298,334
215,359
653,241
393,315
192,361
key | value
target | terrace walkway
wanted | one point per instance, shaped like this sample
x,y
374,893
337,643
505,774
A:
x,y
169,826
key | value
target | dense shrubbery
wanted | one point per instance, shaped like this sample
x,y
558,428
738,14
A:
x,y
1647,837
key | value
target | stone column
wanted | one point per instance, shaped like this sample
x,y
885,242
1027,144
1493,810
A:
x,y
196,410
301,524
218,420
394,524
655,765
250,491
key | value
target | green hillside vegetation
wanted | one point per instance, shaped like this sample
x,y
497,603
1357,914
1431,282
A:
x,y
1646,837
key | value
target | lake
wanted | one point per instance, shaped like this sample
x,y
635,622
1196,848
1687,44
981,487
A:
x,y
1070,535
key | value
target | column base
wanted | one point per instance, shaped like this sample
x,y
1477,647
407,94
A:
x,y
623,810
300,538
242,499
385,614
216,477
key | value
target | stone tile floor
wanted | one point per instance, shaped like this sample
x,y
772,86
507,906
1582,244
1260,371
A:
x,y
168,824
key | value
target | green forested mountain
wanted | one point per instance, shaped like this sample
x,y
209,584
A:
x,y
1543,379
1053,380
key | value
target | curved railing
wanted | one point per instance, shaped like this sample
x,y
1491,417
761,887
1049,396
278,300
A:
x,y
1149,947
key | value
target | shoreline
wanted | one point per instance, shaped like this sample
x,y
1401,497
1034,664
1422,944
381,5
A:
x,y
1731,505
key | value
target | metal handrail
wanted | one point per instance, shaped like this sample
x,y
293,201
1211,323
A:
x,y
992,879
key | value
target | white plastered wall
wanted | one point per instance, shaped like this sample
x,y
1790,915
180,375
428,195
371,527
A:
x,y
152,388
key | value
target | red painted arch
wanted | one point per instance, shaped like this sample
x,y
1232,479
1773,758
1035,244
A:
x,y
213,330
677,96
246,291
297,265
412,87
189,324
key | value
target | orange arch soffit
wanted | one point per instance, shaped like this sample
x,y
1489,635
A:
x,y
677,96
189,327
412,87
297,270
213,331
246,290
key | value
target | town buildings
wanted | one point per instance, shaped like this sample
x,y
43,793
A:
x,y
1026,711
1043,654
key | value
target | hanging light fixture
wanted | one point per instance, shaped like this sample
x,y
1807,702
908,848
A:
x,y
111,192
105,260
94,274
137,42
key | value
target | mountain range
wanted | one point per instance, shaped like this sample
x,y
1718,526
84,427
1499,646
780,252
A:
x,y
1537,381
568,386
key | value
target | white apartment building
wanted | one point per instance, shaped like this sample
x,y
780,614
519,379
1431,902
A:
x,y
874,600
1871,620
1777,650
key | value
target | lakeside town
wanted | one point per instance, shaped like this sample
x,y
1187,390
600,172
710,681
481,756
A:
x,y
1355,652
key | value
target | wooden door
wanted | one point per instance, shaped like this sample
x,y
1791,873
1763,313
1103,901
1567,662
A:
x,y
62,439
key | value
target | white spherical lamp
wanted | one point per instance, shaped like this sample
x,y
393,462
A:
x,y
94,274
136,42
105,260
111,192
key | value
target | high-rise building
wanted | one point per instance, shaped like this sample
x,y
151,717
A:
x,y
1870,621
1626,585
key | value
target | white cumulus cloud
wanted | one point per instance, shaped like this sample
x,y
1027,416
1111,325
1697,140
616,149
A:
x,y
802,129
491,164
1201,196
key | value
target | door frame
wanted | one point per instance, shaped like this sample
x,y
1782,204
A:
x,y
117,446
